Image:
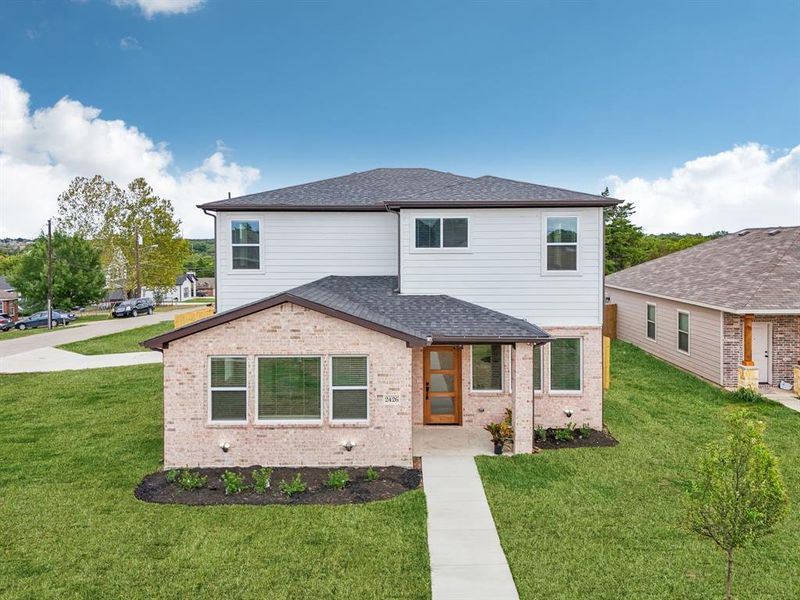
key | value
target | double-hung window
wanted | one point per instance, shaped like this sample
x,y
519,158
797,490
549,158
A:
x,y
228,389
349,388
289,388
565,365
651,321
487,367
537,368
562,243
245,244
441,232
683,331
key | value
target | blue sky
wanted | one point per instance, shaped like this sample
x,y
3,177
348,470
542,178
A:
x,y
566,94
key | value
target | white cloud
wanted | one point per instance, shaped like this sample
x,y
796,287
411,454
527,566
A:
x,y
130,43
748,186
42,151
151,8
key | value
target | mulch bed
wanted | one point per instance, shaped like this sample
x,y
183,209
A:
x,y
596,439
391,482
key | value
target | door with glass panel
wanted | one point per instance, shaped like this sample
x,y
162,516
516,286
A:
x,y
442,375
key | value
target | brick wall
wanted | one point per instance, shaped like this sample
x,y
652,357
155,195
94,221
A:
x,y
785,346
189,439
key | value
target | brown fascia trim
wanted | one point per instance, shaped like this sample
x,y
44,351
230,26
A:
x,y
503,203
161,341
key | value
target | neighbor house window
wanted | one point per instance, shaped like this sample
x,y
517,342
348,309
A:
x,y
537,368
441,232
246,244
349,392
565,365
487,367
228,388
651,321
562,243
289,388
683,331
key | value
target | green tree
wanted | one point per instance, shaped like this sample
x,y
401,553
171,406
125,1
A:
x,y
119,221
77,277
202,265
9,264
738,495
623,238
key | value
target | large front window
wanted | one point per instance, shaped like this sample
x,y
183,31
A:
x,y
562,243
245,245
289,388
565,365
228,388
349,392
440,232
487,367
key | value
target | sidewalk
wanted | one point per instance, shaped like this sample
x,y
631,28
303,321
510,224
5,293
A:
x,y
41,360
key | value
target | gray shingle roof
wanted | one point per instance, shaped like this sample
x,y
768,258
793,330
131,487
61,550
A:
x,y
373,303
379,188
752,270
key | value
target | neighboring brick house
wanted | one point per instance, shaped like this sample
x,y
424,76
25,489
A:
x,y
353,311
727,310
205,287
9,299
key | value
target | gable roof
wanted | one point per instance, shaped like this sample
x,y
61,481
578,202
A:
x,y
4,285
377,189
373,303
750,271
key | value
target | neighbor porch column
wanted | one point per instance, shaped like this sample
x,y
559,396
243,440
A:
x,y
522,377
748,372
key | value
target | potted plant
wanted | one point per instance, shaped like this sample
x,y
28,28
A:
x,y
502,433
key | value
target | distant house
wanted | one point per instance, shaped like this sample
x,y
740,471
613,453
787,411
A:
x,y
185,288
727,310
9,299
205,286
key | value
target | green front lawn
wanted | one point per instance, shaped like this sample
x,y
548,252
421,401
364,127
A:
x,y
605,523
122,341
74,446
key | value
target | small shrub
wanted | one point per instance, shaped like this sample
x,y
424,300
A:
x,y
338,479
565,434
295,486
541,434
233,482
584,431
189,480
262,479
172,475
372,474
747,395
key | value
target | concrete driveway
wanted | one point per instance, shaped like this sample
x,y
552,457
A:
x,y
77,332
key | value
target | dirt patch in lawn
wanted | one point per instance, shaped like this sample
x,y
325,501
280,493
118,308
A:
x,y
391,482
595,439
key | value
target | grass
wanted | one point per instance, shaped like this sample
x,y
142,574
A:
x,y
18,333
605,523
209,300
123,341
75,444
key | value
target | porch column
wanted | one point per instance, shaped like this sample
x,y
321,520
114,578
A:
x,y
748,372
522,364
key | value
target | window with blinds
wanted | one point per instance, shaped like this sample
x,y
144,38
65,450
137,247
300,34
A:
x,y
349,388
289,388
228,388
565,365
537,368
487,367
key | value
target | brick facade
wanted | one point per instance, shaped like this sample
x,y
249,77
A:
x,y
785,346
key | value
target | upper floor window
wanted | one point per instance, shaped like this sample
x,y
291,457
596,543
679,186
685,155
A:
x,y
245,244
683,331
562,243
438,232
651,321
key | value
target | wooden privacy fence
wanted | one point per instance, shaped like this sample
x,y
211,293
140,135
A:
x,y
192,316
610,321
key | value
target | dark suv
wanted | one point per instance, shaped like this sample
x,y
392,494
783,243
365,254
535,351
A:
x,y
134,308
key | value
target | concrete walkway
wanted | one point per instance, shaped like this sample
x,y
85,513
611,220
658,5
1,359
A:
x,y
785,397
467,561
49,359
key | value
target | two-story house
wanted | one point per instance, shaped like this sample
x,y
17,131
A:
x,y
356,311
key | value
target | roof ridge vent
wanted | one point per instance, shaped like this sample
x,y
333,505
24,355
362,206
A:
x,y
773,232
743,232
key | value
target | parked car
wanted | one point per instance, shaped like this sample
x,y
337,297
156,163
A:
x,y
6,323
39,319
134,308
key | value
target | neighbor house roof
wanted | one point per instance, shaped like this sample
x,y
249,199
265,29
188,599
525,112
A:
x,y
378,189
4,285
750,271
372,302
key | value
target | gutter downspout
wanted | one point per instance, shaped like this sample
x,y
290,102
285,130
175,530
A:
x,y
216,260
399,286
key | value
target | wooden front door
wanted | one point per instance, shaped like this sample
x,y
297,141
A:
x,y
442,380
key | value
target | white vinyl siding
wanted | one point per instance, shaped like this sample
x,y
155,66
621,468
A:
x,y
705,331
299,247
503,267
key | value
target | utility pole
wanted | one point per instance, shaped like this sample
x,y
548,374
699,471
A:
x,y
138,265
49,274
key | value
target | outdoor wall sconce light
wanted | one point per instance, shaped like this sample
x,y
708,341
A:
x,y
568,412
225,446
348,445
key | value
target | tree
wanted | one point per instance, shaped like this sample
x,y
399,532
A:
x,y
623,238
77,277
126,223
203,266
738,495
9,264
